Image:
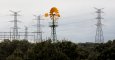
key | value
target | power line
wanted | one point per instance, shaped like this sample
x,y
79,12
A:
x,y
76,22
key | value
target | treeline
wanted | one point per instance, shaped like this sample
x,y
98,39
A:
x,y
61,50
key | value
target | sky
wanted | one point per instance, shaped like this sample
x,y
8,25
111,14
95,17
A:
x,y
77,21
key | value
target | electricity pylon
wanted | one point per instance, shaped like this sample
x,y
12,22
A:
x,y
99,38
15,28
26,33
39,29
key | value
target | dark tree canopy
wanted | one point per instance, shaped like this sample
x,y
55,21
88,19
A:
x,y
60,50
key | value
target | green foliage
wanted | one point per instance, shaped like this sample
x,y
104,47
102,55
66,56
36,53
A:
x,y
13,57
65,50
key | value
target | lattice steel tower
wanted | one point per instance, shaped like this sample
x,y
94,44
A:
x,y
54,15
53,26
39,28
99,38
15,28
26,33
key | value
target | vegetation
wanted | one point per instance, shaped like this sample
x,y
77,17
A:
x,y
61,50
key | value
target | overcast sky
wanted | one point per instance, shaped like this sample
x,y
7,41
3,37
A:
x,y
77,21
